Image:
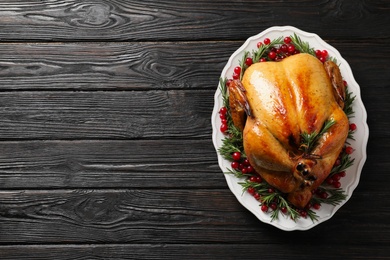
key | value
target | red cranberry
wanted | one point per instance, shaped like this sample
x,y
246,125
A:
x,y
287,39
236,156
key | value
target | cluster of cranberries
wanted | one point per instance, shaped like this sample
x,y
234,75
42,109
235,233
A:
x,y
277,54
243,165
222,115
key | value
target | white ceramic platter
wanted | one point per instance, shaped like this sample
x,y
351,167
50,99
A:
x,y
348,183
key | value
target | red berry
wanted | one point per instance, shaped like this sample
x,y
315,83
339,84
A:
x,y
309,205
273,206
224,128
222,116
259,179
337,162
249,169
228,82
316,206
342,174
234,165
263,60
237,70
267,41
236,76
336,177
318,53
244,171
324,53
324,195
264,208
322,59
329,181
236,156
259,44
272,55
257,196
284,210
352,127
336,184
303,214
271,190
223,110
251,190
252,179
287,40
283,48
224,121
349,150
248,61
291,48
246,162
345,83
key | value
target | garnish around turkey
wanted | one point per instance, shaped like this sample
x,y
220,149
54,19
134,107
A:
x,y
285,117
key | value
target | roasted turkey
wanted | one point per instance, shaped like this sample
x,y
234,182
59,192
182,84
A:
x,y
274,104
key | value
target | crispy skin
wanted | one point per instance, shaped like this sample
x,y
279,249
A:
x,y
286,99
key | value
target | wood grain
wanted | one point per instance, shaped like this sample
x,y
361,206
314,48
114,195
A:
x,y
113,66
106,115
168,216
182,20
135,164
171,216
189,251
109,164
146,66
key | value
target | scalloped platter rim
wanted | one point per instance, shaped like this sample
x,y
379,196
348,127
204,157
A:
x,y
349,183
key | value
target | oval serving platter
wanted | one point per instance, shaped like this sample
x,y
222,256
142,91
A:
x,y
348,183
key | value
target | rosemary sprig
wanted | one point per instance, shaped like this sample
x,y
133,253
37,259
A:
x,y
267,198
348,102
232,144
242,63
259,53
345,162
309,141
283,203
224,91
312,215
336,196
301,45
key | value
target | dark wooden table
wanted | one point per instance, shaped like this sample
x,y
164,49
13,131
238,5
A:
x,y
105,130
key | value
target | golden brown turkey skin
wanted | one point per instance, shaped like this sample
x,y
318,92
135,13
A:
x,y
286,99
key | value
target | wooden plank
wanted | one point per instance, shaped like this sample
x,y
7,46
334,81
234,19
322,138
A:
x,y
106,115
161,216
324,250
113,66
104,164
134,164
153,65
171,20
